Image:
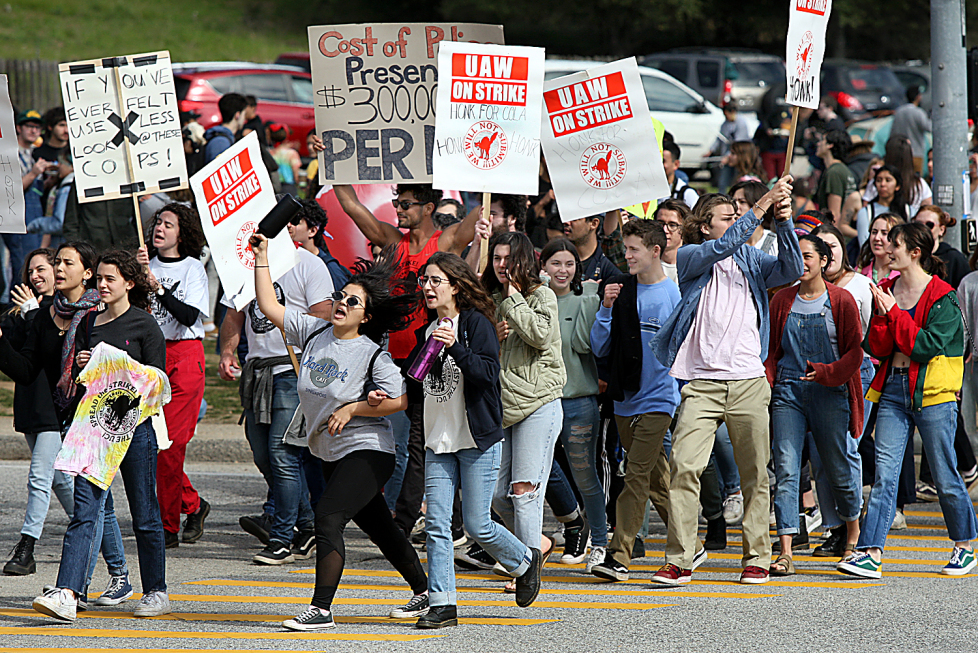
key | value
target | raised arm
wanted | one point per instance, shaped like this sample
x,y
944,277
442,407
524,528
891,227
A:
x,y
264,290
376,231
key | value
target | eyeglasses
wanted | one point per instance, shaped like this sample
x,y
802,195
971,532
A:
x,y
671,227
351,300
435,281
404,204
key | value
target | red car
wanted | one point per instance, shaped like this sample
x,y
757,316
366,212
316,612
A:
x,y
284,93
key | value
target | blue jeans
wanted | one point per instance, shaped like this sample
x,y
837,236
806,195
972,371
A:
x,y
527,453
560,495
401,425
138,471
796,407
580,438
42,478
727,471
108,533
281,463
475,472
894,426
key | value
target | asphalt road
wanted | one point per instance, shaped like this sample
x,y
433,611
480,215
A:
x,y
223,602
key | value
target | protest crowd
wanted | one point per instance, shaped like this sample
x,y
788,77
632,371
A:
x,y
760,358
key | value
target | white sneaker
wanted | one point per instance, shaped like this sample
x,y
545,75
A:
x,y
699,558
813,519
733,508
153,604
58,603
596,557
899,521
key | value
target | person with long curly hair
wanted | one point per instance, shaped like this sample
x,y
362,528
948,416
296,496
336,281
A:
x,y
342,361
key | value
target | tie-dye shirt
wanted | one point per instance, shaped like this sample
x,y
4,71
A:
x,y
120,394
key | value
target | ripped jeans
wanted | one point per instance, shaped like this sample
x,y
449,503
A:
x,y
528,451
579,436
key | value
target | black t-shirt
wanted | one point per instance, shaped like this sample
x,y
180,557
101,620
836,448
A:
x,y
134,332
955,262
51,154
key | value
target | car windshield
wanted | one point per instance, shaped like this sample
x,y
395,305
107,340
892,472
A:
x,y
753,73
873,79
663,95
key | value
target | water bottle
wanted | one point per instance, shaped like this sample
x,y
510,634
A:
x,y
426,357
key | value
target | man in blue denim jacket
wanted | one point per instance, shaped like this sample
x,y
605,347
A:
x,y
717,340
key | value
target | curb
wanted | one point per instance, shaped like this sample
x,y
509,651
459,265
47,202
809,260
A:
x,y
206,450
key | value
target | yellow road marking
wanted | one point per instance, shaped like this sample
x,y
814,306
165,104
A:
x,y
736,556
197,616
493,590
646,582
837,574
738,543
73,649
176,634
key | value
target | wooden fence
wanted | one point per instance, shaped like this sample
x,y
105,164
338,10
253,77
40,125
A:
x,y
33,83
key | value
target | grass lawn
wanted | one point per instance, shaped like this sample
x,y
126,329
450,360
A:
x,y
192,30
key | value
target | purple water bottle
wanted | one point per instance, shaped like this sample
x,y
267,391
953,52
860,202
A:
x,y
426,357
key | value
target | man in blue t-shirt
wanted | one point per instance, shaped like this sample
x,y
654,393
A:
x,y
221,137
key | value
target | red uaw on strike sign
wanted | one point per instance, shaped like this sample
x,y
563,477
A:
x,y
807,22
233,193
487,130
599,141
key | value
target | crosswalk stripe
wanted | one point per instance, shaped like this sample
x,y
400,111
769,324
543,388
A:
x,y
199,616
176,634
739,543
736,556
645,581
488,590
839,574
73,649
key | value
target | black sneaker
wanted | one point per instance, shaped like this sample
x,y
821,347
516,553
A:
x,y
610,569
259,526
575,544
171,540
716,534
799,542
528,585
475,558
312,619
275,553
416,607
441,616
304,544
22,562
193,525
834,545
638,549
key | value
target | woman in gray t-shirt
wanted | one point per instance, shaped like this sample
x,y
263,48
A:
x,y
341,362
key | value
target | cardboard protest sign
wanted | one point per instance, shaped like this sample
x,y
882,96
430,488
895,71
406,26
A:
x,y
233,193
124,126
375,97
12,213
599,141
487,135
807,22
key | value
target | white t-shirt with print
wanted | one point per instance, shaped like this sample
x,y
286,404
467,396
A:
x,y
446,425
190,279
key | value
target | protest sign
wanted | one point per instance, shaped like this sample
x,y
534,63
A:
x,y
124,126
233,193
487,135
12,195
599,141
807,21
375,97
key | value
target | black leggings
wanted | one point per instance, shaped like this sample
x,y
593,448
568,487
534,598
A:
x,y
353,491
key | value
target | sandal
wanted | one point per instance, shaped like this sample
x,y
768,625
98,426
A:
x,y
787,566
848,552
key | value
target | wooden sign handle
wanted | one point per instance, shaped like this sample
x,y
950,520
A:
x,y
484,245
791,141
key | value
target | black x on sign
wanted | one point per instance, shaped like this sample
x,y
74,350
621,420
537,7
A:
x,y
124,128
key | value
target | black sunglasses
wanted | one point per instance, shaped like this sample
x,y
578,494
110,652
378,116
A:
x,y
351,300
404,204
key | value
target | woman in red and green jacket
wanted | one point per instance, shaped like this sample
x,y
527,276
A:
x,y
917,333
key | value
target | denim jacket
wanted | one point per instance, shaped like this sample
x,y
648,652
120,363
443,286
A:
x,y
695,268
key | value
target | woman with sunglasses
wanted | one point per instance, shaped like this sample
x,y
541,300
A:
x,y
873,261
532,381
463,433
937,221
918,336
340,359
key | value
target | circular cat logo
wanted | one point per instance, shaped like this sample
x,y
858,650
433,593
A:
x,y
259,323
803,58
485,145
442,386
115,411
603,166
241,246
324,371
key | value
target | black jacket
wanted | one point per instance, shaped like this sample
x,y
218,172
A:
x,y
625,360
956,263
34,410
476,352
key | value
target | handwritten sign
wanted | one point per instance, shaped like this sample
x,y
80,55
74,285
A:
x,y
12,211
375,97
599,141
233,193
487,135
807,22
124,126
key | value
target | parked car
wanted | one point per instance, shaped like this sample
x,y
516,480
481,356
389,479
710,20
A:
x,y
284,93
692,120
864,90
297,59
719,74
915,73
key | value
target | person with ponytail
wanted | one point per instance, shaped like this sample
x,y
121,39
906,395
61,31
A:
x,y
813,366
873,261
342,360
937,220
918,335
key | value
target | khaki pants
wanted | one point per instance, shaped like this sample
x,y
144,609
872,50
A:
x,y
646,477
743,406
